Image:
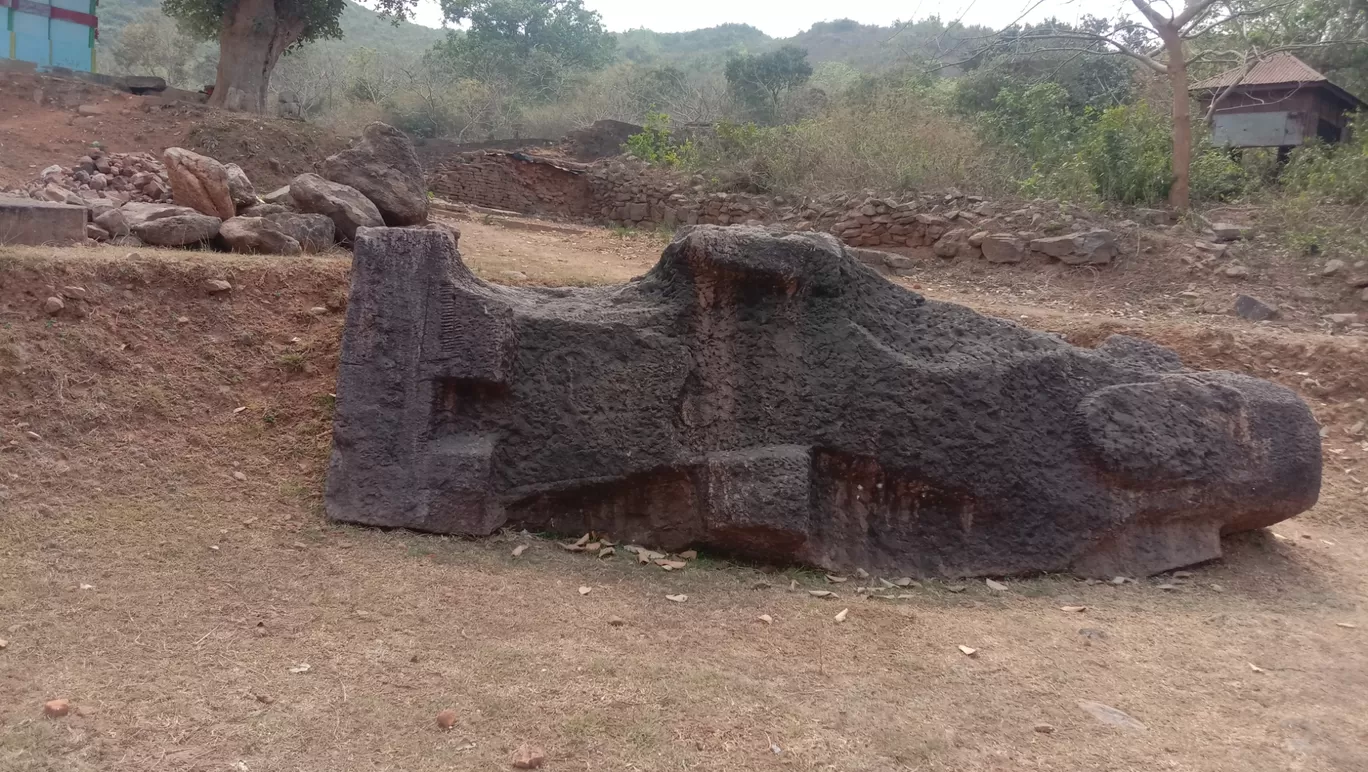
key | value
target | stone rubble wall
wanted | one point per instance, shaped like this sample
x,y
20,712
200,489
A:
x,y
622,192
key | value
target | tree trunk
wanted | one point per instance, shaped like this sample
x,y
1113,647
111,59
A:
x,y
1179,194
255,34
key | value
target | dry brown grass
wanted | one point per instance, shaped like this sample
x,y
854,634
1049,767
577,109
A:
x,y
179,655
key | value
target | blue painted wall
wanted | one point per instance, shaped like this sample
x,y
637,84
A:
x,y
47,42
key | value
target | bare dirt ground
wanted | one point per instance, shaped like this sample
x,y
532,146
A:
x,y
40,124
165,566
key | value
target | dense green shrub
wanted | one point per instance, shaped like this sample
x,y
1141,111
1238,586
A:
x,y
1335,172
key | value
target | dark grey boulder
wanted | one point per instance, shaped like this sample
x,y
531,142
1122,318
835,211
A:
x,y
314,232
257,236
345,205
385,168
772,397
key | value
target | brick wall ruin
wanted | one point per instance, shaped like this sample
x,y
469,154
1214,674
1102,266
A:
x,y
516,182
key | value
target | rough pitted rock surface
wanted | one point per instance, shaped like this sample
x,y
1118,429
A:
x,y
199,182
772,397
345,205
384,167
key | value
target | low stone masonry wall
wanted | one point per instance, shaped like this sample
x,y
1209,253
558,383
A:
x,y
626,193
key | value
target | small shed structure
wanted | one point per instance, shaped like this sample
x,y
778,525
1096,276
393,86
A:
x,y
1280,102
50,33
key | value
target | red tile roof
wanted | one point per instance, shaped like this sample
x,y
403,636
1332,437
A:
x,y
1276,69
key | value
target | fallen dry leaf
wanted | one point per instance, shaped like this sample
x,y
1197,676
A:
x,y
677,598
793,584
1167,587
766,618
1073,609
995,586
863,574
689,554
519,550
586,590
1109,715
607,552
1256,668
672,565
302,667
1347,625
239,410
967,651
4,644
593,546
822,593
837,579
583,540
573,547
905,581
887,584
841,617
956,588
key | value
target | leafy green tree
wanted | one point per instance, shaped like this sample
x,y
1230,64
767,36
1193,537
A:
x,y
152,44
760,81
253,35
527,41
535,44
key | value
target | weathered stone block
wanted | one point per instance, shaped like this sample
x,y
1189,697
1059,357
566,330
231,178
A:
x,y
27,221
773,397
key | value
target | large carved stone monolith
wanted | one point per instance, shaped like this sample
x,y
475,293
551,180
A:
x,y
771,397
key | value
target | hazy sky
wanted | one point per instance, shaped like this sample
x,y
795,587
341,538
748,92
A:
x,y
782,18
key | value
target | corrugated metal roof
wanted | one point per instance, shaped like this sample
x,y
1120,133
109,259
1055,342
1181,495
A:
x,y
1275,70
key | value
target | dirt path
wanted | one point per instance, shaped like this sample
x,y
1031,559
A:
x,y
165,566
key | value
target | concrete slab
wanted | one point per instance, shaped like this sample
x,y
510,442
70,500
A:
x,y
26,221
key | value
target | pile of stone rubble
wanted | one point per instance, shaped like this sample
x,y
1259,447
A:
x,y
187,199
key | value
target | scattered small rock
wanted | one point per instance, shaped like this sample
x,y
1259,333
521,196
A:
x,y
529,757
1043,728
585,590
74,293
766,618
239,476
1332,267
968,651
616,621
53,306
215,286
1236,271
446,719
318,311
519,550
995,586
56,708
677,598
842,614
1253,309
